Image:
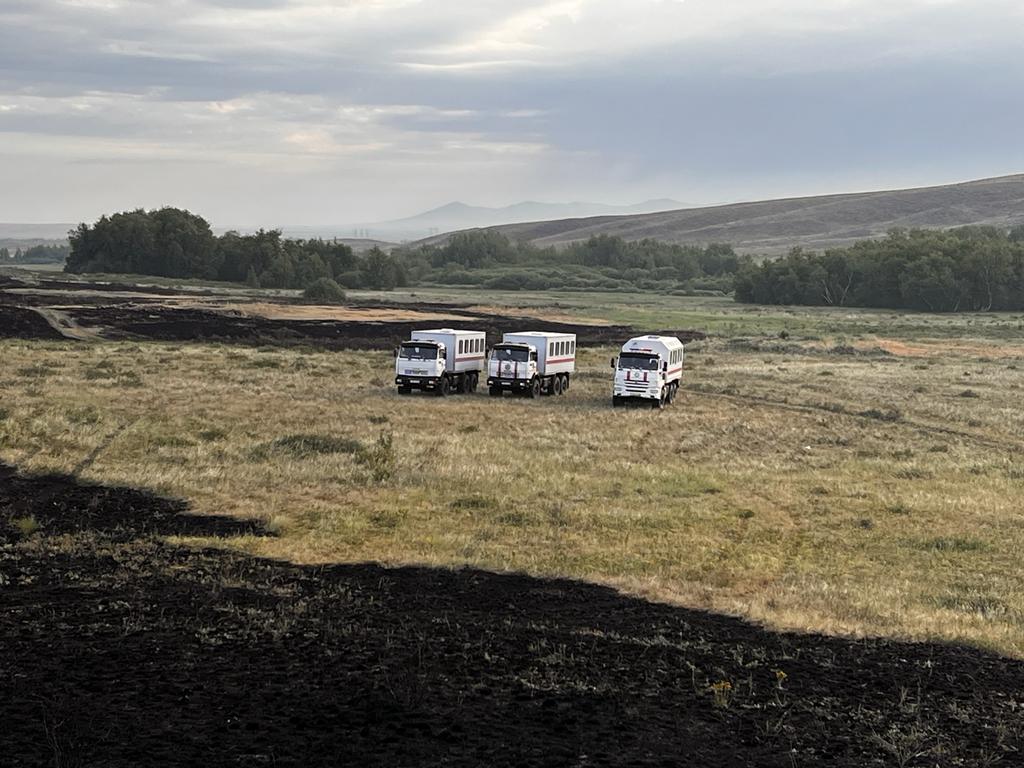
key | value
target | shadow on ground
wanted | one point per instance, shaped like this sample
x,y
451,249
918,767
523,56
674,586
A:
x,y
120,649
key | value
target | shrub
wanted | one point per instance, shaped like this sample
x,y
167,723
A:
x,y
26,526
325,291
379,458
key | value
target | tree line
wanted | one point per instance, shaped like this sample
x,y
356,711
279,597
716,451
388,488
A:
x,y
489,259
966,269
974,269
36,254
170,242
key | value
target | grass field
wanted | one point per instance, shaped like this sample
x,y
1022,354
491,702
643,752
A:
x,y
849,472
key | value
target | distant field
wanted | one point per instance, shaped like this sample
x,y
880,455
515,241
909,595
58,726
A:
x,y
850,472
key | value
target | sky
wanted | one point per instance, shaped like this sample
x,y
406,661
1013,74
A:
x,y
276,112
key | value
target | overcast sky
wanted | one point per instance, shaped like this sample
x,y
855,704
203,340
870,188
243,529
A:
x,y
314,112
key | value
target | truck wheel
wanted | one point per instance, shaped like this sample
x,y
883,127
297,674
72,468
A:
x,y
616,401
670,394
557,385
444,387
535,388
474,380
495,391
565,382
463,386
660,402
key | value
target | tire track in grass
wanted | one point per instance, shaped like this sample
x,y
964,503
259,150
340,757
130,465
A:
x,y
934,429
103,445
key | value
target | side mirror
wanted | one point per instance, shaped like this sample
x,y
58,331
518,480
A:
x,y
396,351
613,362
664,367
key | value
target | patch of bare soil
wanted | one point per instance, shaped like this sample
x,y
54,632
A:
x,y
120,649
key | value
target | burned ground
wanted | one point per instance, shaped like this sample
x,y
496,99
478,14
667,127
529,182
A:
x,y
122,648
145,314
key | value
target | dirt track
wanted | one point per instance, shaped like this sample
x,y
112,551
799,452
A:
x,y
120,649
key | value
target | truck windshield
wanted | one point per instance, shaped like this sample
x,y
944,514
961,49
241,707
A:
x,y
636,361
418,352
512,354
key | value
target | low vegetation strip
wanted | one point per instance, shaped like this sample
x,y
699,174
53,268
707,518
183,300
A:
x,y
123,648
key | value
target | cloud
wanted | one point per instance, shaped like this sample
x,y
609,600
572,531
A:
x,y
325,110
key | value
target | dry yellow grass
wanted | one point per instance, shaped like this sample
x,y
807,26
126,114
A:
x,y
850,494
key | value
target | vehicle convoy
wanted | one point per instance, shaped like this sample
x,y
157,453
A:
x,y
440,361
648,368
533,363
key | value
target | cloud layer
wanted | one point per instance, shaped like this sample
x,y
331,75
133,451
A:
x,y
277,111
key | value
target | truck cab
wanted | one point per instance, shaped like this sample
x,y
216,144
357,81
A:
x,y
420,363
512,366
648,369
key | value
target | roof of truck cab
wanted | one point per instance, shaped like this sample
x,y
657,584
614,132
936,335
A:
x,y
451,332
540,334
669,342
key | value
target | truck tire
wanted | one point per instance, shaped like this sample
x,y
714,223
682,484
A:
x,y
444,387
616,401
670,394
557,385
474,380
659,403
494,391
565,382
534,390
463,384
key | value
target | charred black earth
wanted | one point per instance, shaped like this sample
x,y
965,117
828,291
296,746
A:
x,y
118,648
142,316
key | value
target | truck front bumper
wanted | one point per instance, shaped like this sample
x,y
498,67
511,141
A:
x,y
417,382
497,381
637,394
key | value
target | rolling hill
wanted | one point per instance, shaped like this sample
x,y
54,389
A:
x,y
775,226
455,216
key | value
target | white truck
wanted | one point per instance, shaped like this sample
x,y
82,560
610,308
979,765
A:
x,y
648,368
440,361
532,363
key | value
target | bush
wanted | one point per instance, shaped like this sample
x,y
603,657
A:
x,y
379,458
324,291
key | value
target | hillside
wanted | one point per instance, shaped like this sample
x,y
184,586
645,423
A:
x,y
457,215
775,226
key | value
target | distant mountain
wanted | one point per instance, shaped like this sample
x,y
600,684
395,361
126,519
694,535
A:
x,y
775,226
458,215
14,231
14,236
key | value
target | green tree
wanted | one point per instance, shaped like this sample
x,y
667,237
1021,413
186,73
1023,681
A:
x,y
382,271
